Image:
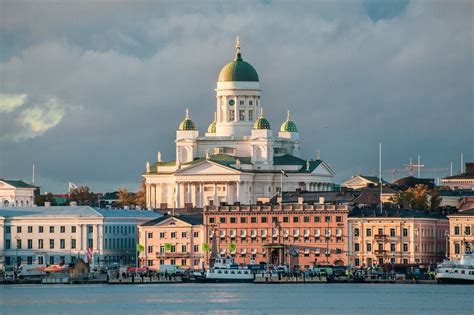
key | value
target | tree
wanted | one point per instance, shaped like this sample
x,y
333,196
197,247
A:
x,y
140,196
413,198
435,200
126,198
83,196
41,199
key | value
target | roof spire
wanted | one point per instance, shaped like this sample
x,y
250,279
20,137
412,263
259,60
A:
x,y
288,115
187,113
215,116
261,111
238,55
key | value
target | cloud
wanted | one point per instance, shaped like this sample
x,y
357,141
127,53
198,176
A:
x,y
10,102
42,117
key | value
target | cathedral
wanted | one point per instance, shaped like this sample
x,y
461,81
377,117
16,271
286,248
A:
x,y
238,159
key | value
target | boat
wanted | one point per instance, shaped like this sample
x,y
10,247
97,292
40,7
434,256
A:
x,y
458,271
225,270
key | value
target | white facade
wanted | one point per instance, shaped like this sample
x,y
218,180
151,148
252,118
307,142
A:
x,y
238,159
51,235
16,193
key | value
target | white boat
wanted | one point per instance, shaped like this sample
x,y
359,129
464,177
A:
x,y
226,270
458,271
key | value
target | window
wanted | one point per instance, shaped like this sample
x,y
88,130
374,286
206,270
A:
x,y
405,247
30,244
183,262
162,250
183,234
338,218
263,220
183,248
457,248
62,229
250,115
316,219
392,260
222,220
286,219
8,230
51,229
405,232
357,262
196,248
51,244
392,247
253,220
233,220
150,262
162,261
369,247
243,220
150,249
30,229
173,234
467,230
73,243
296,219
327,219
195,234
241,102
231,115
241,115
173,248
368,232
212,220
356,247
7,244
162,234
305,219
62,243
150,235
196,262
405,261
250,102
18,244
29,260
51,260
90,229
356,232
73,229
90,243
40,244
380,232
18,229
392,232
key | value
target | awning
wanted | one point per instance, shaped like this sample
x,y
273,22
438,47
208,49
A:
x,y
339,232
317,250
264,233
286,233
211,234
233,233
275,232
274,245
254,233
328,233
222,234
254,251
306,251
53,268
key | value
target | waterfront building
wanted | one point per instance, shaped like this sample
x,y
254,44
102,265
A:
x,y
396,237
361,181
51,235
295,234
17,193
461,235
465,180
238,159
172,240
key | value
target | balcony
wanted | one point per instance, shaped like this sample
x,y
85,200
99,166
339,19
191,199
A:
x,y
173,255
380,236
379,252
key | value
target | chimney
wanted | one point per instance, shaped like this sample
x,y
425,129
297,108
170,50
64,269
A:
x,y
47,204
73,204
321,200
300,200
469,168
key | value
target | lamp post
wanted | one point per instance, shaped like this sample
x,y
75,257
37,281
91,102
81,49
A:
x,y
446,235
16,252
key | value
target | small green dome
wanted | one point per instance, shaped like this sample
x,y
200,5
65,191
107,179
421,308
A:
x,y
212,125
238,69
187,123
288,125
261,123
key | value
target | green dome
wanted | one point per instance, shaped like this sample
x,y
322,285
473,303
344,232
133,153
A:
x,y
212,127
238,69
187,124
288,125
261,123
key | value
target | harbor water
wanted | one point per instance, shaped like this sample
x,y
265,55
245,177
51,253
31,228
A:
x,y
237,299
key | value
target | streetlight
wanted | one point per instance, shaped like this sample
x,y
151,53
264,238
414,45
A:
x,y
446,235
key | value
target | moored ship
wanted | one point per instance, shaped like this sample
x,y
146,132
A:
x,y
226,270
459,271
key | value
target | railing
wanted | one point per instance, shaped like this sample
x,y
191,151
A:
x,y
380,236
380,252
173,255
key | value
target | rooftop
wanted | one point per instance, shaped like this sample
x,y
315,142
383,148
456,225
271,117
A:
x,y
17,183
190,219
394,213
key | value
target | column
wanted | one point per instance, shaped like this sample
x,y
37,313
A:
x,y
189,193
215,194
148,199
193,195
177,193
227,194
237,192
201,194
158,196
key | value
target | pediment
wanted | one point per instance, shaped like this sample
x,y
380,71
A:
x,y
356,181
207,168
172,222
323,169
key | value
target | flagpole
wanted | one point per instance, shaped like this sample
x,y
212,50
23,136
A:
x,y
380,175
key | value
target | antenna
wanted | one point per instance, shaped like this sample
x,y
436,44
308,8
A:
x,y
380,175
451,169
33,175
462,163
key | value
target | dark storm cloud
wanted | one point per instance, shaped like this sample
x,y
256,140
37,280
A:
x,y
122,74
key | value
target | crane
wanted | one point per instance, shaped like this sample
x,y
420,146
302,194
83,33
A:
x,y
410,167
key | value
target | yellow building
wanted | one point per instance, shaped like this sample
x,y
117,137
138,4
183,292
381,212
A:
x,y
396,237
172,240
461,237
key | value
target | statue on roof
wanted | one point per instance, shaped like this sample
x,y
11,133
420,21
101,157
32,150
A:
x,y
147,167
158,157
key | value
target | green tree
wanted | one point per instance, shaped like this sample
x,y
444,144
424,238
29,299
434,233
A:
x,y
140,196
41,199
83,196
413,198
435,200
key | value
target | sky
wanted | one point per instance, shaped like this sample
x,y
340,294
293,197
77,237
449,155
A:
x,y
91,90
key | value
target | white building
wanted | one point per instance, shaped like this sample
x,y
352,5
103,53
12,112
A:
x,y
51,235
238,159
16,193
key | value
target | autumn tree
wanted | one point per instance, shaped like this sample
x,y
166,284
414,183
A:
x,y
126,198
435,200
140,196
83,196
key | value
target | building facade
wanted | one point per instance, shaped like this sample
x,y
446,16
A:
x,y
172,240
17,193
238,159
52,235
461,237
464,180
291,234
396,237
